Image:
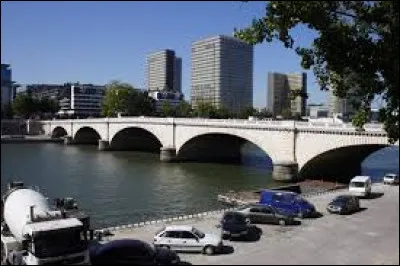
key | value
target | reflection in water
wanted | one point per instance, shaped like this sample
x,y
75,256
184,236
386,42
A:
x,y
126,187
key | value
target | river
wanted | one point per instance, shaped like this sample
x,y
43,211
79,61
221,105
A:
x,y
126,187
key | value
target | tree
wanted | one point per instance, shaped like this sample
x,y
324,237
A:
x,y
184,109
167,110
244,113
25,105
124,98
116,98
206,110
356,48
287,113
263,113
46,105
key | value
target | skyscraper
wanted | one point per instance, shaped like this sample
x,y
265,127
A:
x,y
279,93
222,72
164,71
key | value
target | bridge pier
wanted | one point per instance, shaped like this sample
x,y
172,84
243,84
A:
x,y
285,171
104,145
167,154
68,140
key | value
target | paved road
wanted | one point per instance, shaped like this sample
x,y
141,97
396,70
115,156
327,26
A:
x,y
370,236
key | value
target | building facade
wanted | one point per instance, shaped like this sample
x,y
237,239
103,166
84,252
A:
x,y
74,99
279,87
7,86
164,71
174,99
84,100
222,72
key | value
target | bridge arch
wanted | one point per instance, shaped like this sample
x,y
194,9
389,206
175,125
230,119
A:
x,y
137,139
216,147
86,135
340,164
58,132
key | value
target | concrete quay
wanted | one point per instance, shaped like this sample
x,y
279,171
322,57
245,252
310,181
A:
x,y
29,139
370,236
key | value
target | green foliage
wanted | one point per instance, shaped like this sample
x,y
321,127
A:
x,y
26,106
167,110
206,110
184,109
356,48
287,114
123,98
263,113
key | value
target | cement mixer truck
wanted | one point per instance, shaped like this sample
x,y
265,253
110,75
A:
x,y
34,234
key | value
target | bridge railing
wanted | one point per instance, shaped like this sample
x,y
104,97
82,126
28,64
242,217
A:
x,y
225,122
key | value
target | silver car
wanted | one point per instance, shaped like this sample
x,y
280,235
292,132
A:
x,y
260,213
188,238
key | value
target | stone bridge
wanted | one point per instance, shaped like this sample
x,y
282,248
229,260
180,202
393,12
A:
x,y
297,149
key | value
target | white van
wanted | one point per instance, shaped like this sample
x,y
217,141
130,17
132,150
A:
x,y
360,186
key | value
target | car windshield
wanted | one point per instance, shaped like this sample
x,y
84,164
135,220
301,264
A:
x,y
198,233
390,176
357,184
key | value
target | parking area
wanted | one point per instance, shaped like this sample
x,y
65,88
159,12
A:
x,y
370,236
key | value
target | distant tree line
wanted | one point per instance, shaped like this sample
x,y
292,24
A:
x,y
27,106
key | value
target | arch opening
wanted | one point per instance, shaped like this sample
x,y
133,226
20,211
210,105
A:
x,y
223,148
87,135
339,165
58,132
135,139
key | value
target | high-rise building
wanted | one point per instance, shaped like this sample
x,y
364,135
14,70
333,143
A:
x,y
7,86
222,72
164,71
339,105
279,90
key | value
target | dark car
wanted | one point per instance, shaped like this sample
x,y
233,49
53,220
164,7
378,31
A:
x,y
344,204
131,251
258,213
234,224
287,202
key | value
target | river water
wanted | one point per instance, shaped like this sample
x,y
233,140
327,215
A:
x,y
126,187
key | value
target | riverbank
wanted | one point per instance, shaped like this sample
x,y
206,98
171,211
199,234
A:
x,y
29,139
362,237
306,188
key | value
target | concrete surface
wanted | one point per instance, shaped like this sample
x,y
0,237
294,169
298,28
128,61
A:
x,y
370,236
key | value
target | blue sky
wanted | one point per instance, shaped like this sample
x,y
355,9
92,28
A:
x,y
96,42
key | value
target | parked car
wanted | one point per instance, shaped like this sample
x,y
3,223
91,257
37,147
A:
x,y
188,238
131,251
360,186
234,224
288,203
258,213
344,204
391,179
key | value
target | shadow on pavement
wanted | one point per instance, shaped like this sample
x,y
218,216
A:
x,y
253,235
184,263
226,250
374,195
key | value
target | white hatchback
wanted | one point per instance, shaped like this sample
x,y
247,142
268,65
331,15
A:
x,y
188,238
391,179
